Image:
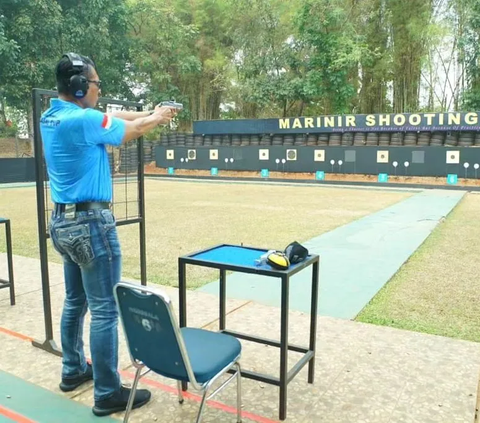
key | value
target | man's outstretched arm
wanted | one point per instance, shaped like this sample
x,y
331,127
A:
x,y
140,126
101,128
126,115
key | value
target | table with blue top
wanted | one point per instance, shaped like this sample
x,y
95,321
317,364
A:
x,y
9,283
243,259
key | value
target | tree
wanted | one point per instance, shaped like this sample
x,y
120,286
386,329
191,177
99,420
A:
x,y
267,56
8,54
99,29
408,32
469,52
256,58
376,61
335,50
43,30
162,53
211,20
33,26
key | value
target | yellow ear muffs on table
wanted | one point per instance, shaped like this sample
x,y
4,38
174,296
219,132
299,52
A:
x,y
278,260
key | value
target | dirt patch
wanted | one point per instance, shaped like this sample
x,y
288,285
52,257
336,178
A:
x,y
419,180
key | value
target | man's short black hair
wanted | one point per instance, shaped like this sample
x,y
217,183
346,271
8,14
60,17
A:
x,y
64,71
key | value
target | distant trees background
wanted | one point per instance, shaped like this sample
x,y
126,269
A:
x,y
229,59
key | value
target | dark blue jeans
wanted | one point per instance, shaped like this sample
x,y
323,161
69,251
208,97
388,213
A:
x,y
92,259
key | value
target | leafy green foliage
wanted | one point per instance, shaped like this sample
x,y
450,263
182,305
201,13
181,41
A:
x,y
376,67
334,53
409,29
99,29
267,58
470,47
246,58
35,34
29,28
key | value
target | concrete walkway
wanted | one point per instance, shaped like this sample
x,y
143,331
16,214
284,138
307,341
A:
x,y
364,373
356,260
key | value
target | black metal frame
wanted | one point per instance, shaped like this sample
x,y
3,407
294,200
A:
x,y
9,283
49,344
286,376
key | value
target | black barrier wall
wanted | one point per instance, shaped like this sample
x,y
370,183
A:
x,y
17,170
413,161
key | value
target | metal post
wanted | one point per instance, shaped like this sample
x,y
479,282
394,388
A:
x,y
223,298
284,348
16,145
182,294
313,321
48,344
11,281
141,210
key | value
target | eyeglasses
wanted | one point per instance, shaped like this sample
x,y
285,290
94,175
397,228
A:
x,y
97,83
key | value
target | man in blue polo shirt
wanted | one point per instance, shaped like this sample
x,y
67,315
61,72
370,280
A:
x,y
82,227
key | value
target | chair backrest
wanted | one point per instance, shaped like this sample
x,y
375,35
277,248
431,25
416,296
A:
x,y
153,335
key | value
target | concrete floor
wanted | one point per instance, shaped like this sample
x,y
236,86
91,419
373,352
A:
x,y
364,373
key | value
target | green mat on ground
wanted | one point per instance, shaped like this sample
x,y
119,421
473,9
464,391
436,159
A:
x,y
42,405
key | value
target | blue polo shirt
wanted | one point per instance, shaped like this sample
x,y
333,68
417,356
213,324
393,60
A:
x,y
74,144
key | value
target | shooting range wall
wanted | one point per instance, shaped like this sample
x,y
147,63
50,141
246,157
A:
x,y
392,122
17,170
427,153
414,144
431,155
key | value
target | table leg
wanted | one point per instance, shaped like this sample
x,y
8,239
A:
x,y
182,294
223,298
284,347
313,321
10,262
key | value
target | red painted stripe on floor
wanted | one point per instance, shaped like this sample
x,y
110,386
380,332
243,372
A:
x,y
166,388
197,398
14,416
16,334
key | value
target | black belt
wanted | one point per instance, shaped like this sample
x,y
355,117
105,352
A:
x,y
60,208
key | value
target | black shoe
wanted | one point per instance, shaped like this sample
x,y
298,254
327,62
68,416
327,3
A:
x,y
71,383
119,400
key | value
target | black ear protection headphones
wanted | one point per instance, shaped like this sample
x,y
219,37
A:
x,y
78,84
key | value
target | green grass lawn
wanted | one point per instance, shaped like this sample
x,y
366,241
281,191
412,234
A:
x,y
183,217
437,291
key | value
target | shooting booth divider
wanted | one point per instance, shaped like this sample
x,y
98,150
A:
x,y
127,168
